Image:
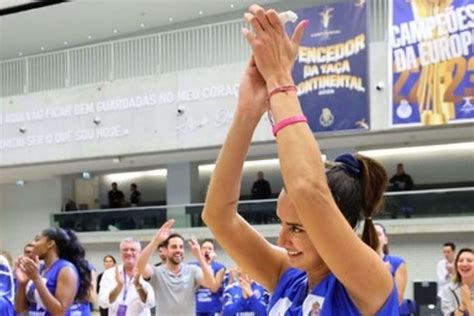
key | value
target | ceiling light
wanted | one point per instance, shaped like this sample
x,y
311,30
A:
x,y
115,31
20,54
170,18
121,177
42,48
89,37
200,12
231,6
86,175
65,42
417,149
251,163
20,183
142,25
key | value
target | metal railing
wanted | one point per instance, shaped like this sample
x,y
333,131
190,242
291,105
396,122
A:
x,y
409,204
177,50
166,52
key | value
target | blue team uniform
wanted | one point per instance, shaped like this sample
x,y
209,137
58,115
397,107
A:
x,y
394,261
208,303
236,305
36,307
6,289
328,298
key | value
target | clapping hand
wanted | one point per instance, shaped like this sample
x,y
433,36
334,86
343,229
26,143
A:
x,y
245,284
465,296
119,277
273,51
20,274
30,268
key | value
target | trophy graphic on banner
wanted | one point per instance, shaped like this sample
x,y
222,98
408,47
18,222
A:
x,y
434,78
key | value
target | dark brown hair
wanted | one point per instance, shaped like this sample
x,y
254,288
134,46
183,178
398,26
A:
x,y
457,275
174,235
359,195
69,248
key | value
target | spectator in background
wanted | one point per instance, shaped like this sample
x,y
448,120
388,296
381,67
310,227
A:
x,y
445,268
209,301
135,195
109,262
70,206
162,253
28,252
116,197
243,296
6,285
122,290
175,283
401,181
261,188
457,296
396,265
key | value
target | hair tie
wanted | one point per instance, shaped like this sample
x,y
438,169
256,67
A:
x,y
350,163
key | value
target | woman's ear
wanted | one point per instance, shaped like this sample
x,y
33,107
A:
x,y
51,244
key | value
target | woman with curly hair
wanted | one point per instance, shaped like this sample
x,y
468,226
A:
x,y
64,278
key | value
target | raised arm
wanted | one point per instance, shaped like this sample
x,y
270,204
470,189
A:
x,y
208,280
143,268
401,281
304,174
245,245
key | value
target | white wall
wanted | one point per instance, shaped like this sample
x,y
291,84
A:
x,y
25,211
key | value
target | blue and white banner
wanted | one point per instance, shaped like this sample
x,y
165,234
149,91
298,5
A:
x,y
331,69
432,45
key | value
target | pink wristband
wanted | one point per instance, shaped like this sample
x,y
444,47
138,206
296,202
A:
x,y
288,121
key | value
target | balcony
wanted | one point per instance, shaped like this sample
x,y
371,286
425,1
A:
x,y
453,202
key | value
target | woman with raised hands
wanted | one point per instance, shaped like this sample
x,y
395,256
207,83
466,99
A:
x,y
320,264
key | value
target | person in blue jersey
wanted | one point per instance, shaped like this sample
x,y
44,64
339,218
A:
x,y
243,296
84,307
396,265
320,266
7,285
64,277
209,301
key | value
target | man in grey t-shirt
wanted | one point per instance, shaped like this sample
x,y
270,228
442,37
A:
x,y
174,282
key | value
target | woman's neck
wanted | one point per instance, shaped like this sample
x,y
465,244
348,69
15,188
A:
x,y
315,276
50,258
469,281
380,252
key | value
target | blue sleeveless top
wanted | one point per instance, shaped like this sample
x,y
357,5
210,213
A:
x,y
206,301
394,261
328,298
50,277
82,308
